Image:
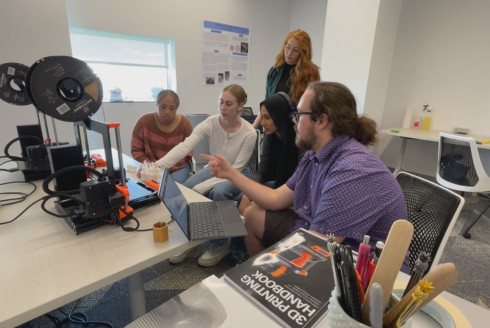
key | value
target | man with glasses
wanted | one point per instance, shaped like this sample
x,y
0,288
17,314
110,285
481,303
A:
x,y
340,186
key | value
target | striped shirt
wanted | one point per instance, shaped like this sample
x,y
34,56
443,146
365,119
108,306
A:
x,y
150,143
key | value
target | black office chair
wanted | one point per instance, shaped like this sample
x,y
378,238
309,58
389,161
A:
x,y
254,160
433,210
246,111
251,119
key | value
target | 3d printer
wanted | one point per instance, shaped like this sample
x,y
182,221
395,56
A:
x,y
66,89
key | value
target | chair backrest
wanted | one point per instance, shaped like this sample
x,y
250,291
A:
x,y
459,166
251,119
246,111
433,210
254,160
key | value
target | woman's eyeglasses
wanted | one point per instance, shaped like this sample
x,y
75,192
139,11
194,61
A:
x,y
287,49
297,115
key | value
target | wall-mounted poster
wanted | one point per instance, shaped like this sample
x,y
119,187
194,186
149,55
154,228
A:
x,y
225,54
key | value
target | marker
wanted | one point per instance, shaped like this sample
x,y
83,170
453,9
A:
x,y
362,255
376,309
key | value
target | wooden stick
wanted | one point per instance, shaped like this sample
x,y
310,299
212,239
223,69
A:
x,y
390,262
449,276
441,277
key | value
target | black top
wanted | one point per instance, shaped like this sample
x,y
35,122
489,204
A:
x,y
280,155
284,84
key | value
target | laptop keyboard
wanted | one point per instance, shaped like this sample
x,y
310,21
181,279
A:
x,y
206,220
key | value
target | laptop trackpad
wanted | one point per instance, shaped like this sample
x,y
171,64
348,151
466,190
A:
x,y
229,212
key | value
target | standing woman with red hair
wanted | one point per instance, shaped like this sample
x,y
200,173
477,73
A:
x,y
293,69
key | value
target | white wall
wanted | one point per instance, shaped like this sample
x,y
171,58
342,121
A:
x,y
309,16
442,59
348,44
381,59
182,20
29,31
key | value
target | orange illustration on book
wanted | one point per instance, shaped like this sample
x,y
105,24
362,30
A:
x,y
300,262
298,259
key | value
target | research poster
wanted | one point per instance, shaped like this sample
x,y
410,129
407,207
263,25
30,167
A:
x,y
225,54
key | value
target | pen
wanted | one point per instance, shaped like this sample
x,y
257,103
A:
x,y
365,273
362,255
342,291
335,261
421,265
377,252
332,248
372,265
359,288
349,279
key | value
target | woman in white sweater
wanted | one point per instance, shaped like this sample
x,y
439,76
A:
x,y
230,136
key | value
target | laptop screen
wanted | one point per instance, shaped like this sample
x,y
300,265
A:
x,y
174,200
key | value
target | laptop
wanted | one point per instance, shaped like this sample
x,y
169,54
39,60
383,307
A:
x,y
202,220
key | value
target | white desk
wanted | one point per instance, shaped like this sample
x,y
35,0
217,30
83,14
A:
x,y
425,135
44,265
236,307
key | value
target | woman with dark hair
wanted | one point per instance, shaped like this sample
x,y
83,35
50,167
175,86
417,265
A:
x,y
280,155
279,158
293,69
155,134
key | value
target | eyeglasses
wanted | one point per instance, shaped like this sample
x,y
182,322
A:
x,y
287,49
296,115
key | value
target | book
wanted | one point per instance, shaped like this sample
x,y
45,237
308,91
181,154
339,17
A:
x,y
291,281
211,303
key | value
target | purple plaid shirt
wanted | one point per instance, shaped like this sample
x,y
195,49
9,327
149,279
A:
x,y
346,190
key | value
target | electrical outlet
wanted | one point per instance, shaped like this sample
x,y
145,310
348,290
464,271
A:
x,y
461,130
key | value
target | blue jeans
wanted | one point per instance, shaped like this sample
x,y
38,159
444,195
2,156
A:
x,y
238,248
181,175
222,191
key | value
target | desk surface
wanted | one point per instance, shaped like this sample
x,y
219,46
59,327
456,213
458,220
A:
x,y
475,314
44,265
429,135
242,312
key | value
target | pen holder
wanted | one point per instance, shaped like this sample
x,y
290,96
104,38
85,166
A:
x,y
160,232
338,318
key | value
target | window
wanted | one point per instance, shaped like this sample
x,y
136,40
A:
x,y
132,68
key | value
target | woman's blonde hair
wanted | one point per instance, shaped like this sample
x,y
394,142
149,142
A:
x,y
237,92
305,71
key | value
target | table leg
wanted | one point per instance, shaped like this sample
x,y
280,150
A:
x,y
400,158
137,295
